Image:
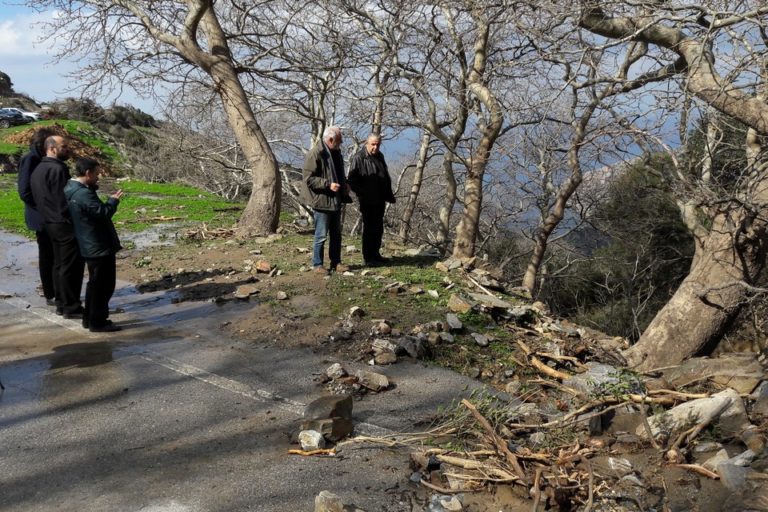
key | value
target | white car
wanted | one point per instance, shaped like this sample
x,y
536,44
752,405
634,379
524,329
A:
x,y
31,116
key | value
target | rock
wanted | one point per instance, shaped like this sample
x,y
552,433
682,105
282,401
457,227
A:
x,y
473,373
263,266
326,501
540,307
329,406
245,290
416,290
760,395
537,438
740,371
414,347
491,302
446,337
454,324
311,440
366,272
620,467
458,304
754,439
733,477
442,267
523,314
384,328
415,477
727,406
513,387
281,295
379,345
433,294
385,358
453,263
480,339
332,429
598,375
372,380
302,250
355,312
348,274
350,249
336,371
442,503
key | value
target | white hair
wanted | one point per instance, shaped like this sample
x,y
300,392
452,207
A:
x,y
331,132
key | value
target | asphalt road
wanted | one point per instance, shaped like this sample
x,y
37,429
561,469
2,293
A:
x,y
167,415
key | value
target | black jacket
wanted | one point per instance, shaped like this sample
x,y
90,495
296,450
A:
x,y
92,220
48,181
319,172
27,164
369,178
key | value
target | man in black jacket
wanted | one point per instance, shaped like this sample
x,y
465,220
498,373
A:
x,y
327,188
32,217
97,239
369,180
48,181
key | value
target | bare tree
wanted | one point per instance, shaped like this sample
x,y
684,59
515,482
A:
x,y
718,51
144,42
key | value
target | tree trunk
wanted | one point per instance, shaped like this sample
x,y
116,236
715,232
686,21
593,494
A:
x,y
726,261
262,213
418,176
449,201
466,230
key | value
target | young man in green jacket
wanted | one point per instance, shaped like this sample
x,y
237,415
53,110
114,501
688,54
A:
x,y
97,239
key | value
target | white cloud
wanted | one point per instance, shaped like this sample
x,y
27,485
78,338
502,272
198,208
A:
x,y
20,36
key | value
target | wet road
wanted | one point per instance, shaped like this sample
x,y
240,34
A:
x,y
169,416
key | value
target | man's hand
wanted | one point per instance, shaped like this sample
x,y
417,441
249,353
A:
x,y
334,187
117,195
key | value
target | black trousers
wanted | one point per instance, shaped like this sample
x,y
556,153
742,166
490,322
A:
x,y
101,285
68,267
373,229
45,263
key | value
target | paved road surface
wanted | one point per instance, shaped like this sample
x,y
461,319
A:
x,y
169,416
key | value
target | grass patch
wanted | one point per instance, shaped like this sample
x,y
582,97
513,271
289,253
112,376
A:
x,y
188,206
11,207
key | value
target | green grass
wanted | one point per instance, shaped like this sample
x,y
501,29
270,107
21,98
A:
x,y
11,207
136,212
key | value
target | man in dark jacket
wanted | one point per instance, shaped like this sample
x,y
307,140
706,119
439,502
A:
x,y
328,190
97,239
32,217
48,181
369,180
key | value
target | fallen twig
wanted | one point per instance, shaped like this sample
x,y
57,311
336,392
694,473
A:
x,y
500,443
539,365
309,453
698,469
443,490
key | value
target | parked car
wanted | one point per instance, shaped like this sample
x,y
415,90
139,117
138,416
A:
x,y
11,118
32,116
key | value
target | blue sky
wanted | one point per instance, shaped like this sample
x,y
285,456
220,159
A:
x,y
29,62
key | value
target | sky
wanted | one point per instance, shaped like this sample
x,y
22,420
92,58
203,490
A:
x,y
29,62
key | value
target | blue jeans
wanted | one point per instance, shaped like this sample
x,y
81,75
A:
x,y
327,224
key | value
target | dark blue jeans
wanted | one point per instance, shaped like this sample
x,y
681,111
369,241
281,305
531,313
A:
x,y
327,224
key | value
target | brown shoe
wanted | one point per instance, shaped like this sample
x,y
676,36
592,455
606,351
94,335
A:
x,y
320,270
340,268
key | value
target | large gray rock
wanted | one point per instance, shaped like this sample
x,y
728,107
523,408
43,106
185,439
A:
x,y
760,396
413,346
372,380
330,406
454,324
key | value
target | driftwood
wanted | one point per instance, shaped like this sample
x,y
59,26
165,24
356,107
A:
x,y
309,453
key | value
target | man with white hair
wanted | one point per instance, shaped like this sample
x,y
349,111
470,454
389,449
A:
x,y
327,189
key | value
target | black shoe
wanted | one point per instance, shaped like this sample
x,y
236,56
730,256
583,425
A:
x,y
383,261
372,263
86,323
74,314
50,302
59,311
108,327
